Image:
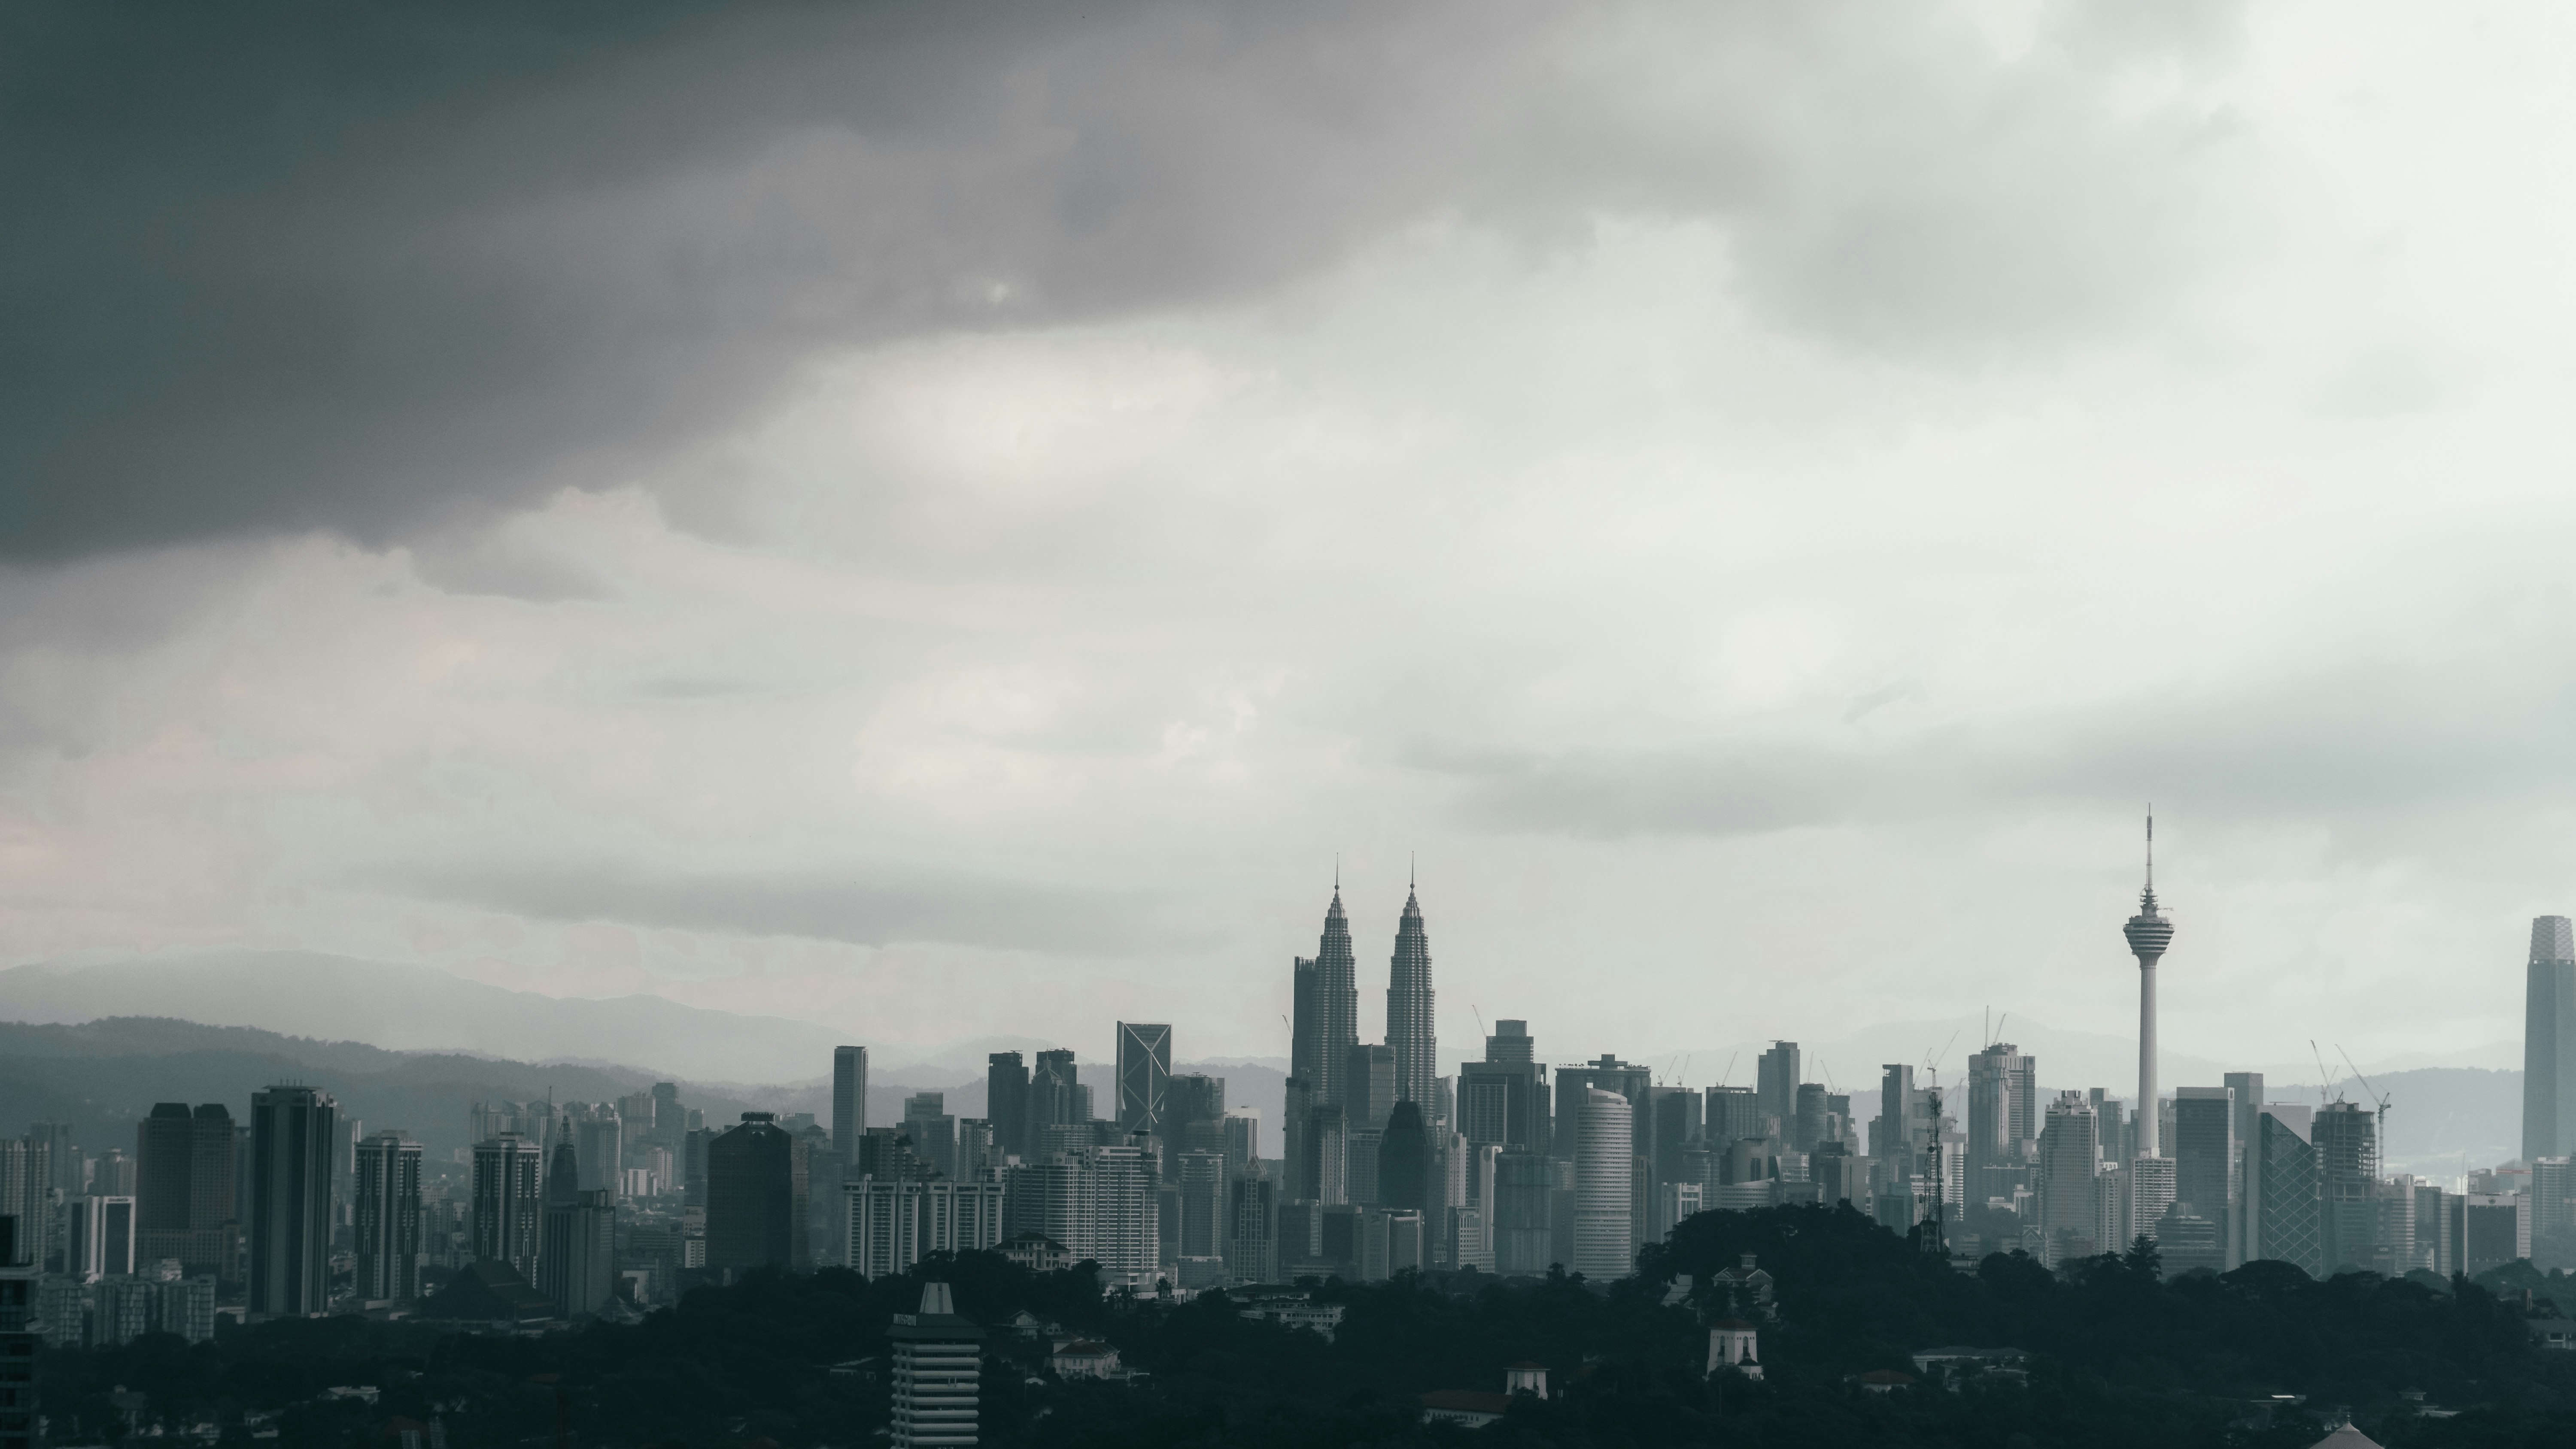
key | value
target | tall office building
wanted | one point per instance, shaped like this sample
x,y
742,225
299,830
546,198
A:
x,y
2245,1099
2549,1042
1502,1100
1144,1075
1675,1132
1732,1114
1604,1207
756,1196
20,1336
1807,1123
576,1257
849,1098
1323,1166
1609,1074
1006,1102
1776,1085
2204,1152
100,1240
1252,1230
1404,1162
2003,1111
926,1120
292,1132
1297,1103
938,1374
1524,1189
2281,1218
1368,1086
2347,1161
1194,1114
509,1202
386,1216
599,1137
1327,1023
1054,1096
2149,932
1409,1007
2070,1196
184,1189
1200,1180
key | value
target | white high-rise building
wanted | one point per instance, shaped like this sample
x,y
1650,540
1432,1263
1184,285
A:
x,y
2070,1203
892,1224
938,1374
1604,1212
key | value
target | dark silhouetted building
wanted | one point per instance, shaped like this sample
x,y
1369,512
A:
x,y
1327,1009
292,1132
385,1218
184,1192
849,1098
2549,1042
1144,1076
756,1191
1006,1102
1404,1160
509,1197
576,1262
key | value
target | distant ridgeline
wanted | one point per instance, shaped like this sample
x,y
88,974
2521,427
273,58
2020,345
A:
x,y
1867,1341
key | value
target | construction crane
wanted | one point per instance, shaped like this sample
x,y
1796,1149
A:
x,y
2325,1079
2374,1094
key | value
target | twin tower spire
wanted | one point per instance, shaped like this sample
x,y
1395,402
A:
x,y
1326,1025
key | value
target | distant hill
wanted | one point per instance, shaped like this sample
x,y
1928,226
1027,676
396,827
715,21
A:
x,y
419,1008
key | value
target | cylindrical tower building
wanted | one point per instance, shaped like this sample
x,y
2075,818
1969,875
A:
x,y
1605,1147
2149,933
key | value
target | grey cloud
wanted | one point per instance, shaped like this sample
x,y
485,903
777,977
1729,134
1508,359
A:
x,y
387,270
2375,744
869,907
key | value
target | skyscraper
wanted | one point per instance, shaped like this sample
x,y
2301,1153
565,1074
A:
x,y
1053,1096
849,1098
1404,1161
509,1199
1144,1075
1368,1086
1409,1007
2281,1189
1503,1099
2003,1108
576,1263
292,1131
1604,1228
2204,1151
2149,933
2070,1196
1006,1102
1776,1085
756,1196
2245,1100
184,1190
2347,1180
2549,1042
386,1218
1328,1008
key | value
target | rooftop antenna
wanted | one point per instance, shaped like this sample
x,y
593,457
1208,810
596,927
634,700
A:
x,y
2381,1142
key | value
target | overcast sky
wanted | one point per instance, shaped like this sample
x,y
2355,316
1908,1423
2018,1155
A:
x,y
944,520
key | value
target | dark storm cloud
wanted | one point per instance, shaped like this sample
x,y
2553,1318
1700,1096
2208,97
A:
x,y
385,269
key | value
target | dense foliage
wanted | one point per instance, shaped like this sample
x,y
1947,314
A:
x,y
2118,1358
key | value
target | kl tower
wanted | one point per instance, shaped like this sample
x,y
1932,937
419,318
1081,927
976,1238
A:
x,y
2150,931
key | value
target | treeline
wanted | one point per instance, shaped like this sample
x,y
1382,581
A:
x,y
2117,1358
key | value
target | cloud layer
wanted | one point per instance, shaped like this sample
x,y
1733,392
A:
x,y
947,520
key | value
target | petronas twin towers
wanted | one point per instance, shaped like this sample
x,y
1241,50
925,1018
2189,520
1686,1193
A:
x,y
1325,1031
